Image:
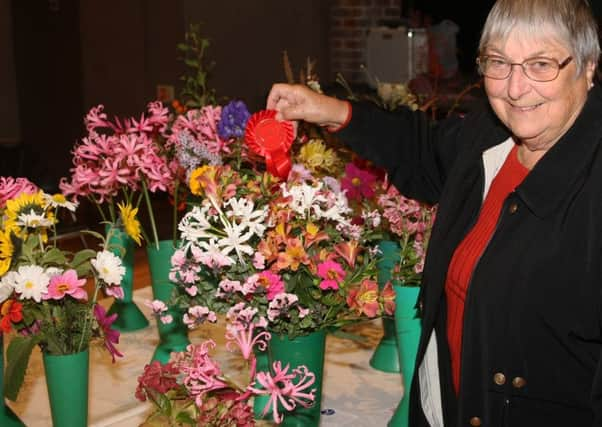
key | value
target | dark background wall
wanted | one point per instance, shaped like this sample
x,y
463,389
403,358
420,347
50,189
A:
x,y
61,57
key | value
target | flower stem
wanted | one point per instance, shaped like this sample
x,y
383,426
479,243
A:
x,y
175,212
151,215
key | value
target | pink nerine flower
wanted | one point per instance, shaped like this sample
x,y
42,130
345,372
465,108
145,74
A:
x,y
11,188
201,373
66,284
245,332
286,389
332,273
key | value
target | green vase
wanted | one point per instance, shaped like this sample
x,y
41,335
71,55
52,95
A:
x,y
129,316
173,337
259,402
407,325
306,350
386,356
67,383
7,417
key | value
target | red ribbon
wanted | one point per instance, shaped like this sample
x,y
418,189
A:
x,y
271,139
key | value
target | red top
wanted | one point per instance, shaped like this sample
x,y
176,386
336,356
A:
x,y
470,250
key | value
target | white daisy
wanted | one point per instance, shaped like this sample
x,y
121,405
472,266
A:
x,y
33,220
59,200
109,267
7,285
31,281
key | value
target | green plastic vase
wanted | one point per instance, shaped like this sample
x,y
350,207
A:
x,y
305,350
129,316
7,416
407,325
173,337
67,383
259,402
386,356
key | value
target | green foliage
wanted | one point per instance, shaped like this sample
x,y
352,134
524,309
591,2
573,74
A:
x,y
195,92
17,355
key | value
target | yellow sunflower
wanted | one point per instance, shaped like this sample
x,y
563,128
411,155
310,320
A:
x,y
23,204
130,222
315,156
6,251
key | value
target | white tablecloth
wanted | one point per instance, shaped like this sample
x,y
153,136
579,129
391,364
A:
x,y
358,394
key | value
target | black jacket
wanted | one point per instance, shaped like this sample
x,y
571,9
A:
x,y
533,309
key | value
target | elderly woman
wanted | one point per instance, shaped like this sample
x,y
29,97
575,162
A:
x,y
512,287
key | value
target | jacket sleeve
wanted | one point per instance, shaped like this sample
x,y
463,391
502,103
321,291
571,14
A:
x,y
416,152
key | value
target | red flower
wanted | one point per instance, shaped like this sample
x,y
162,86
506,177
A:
x,y
365,299
157,377
12,312
388,297
358,183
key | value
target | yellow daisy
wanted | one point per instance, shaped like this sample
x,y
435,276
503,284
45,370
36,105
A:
x,y
315,156
130,222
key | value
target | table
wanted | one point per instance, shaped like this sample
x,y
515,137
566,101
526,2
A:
x,y
359,395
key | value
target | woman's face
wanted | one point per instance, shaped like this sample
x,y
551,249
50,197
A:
x,y
537,113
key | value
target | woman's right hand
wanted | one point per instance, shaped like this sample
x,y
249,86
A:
x,y
298,102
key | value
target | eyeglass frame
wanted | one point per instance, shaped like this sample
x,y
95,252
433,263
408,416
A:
x,y
561,66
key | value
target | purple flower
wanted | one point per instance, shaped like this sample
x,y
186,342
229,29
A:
x,y
233,120
111,336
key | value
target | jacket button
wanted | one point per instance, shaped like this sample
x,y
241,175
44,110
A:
x,y
519,382
475,421
513,207
499,378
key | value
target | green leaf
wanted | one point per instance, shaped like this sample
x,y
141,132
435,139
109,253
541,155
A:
x,y
95,234
17,358
82,256
185,418
54,256
191,62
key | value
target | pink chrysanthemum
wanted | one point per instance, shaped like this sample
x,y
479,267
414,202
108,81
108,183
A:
x,y
66,284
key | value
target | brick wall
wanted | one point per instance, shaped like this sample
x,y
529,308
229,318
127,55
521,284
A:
x,y
350,21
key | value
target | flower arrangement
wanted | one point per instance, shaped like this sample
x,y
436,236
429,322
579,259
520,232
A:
x,y
42,287
119,162
192,389
391,216
288,249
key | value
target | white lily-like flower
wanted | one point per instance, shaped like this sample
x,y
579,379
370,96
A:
x,y
337,210
247,216
214,255
304,197
196,225
235,241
